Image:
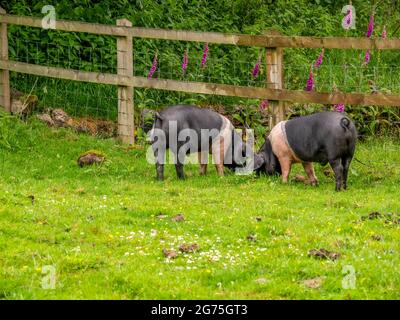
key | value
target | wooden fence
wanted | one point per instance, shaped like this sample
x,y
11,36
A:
x,y
126,81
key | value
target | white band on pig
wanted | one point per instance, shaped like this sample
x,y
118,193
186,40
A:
x,y
222,142
283,127
277,133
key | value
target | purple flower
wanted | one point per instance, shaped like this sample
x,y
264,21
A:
x,y
153,67
370,26
384,33
185,61
348,19
310,81
264,104
320,59
367,57
256,69
205,55
339,107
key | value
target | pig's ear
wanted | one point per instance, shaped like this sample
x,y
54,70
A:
x,y
158,116
259,161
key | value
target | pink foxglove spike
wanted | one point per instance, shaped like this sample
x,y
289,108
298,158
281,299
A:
x,y
264,104
185,61
153,67
384,33
320,59
310,81
370,26
339,107
256,68
205,55
367,57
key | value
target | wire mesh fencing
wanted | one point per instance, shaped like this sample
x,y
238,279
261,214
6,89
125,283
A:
x,y
341,70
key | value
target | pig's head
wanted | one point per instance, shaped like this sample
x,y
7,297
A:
x,y
265,160
242,152
262,161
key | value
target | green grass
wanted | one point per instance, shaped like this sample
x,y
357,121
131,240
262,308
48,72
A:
x,y
96,225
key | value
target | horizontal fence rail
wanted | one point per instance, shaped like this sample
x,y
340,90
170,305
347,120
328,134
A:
x,y
377,99
265,41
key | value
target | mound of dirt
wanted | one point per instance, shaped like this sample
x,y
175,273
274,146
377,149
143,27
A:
x,y
323,254
170,254
90,157
178,218
189,248
387,217
58,118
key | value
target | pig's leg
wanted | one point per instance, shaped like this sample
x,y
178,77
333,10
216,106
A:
x,y
179,170
220,169
338,169
160,171
309,169
218,155
346,164
179,158
159,156
286,165
203,159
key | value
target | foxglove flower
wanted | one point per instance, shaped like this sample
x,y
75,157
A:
x,y
153,67
384,33
370,26
256,69
320,59
367,57
264,104
185,61
310,81
339,107
205,55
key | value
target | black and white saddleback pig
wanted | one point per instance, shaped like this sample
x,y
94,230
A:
x,y
321,137
186,129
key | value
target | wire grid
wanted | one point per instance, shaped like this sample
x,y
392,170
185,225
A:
x,y
215,71
225,64
345,69
76,98
64,56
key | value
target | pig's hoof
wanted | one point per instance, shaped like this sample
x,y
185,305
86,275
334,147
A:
x,y
299,178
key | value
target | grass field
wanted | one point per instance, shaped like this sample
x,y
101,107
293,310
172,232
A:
x,y
98,226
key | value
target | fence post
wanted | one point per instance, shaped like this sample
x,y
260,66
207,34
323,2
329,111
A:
x,y
274,67
5,99
126,126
